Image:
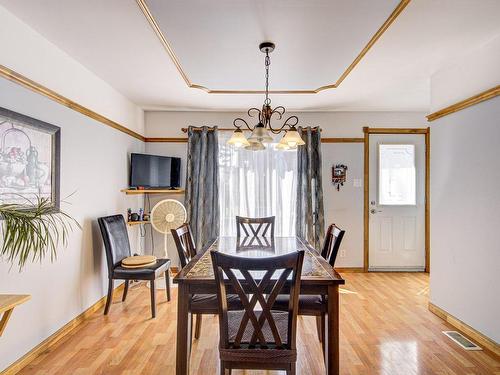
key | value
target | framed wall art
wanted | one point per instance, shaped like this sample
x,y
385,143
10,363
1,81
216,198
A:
x,y
30,152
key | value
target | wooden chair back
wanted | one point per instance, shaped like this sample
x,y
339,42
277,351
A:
x,y
255,226
331,246
257,329
184,243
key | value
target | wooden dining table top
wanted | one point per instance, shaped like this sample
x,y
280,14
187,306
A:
x,y
315,269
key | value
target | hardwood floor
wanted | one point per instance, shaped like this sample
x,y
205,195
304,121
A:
x,y
385,326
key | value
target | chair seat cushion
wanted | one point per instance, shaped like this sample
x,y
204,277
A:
x,y
145,273
138,261
208,304
280,319
308,304
255,357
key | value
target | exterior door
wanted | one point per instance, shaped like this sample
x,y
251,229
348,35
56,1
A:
x,y
397,202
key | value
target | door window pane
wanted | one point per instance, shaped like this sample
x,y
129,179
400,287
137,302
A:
x,y
397,175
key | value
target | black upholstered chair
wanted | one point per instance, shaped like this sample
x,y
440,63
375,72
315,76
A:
x,y
312,305
117,246
255,226
256,336
200,303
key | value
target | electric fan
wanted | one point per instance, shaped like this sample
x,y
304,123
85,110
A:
x,y
166,215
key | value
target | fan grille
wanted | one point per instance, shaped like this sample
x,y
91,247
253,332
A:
x,y
168,214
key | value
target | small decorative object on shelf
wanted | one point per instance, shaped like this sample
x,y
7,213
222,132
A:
x,y
339,174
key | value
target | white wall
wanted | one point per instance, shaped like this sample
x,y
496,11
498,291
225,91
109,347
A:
x,y
465,204
30,54
345,208
334,124
94,166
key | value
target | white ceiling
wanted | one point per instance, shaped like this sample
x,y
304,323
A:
x,y
113,39
316,40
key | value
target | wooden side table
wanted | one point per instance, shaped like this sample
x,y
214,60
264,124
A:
x,y
7,304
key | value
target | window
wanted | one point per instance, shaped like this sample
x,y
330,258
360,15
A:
x,y
257,184
397,175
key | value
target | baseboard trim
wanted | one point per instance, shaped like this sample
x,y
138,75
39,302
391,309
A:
x,y
396,269
53,339
349,269
465,329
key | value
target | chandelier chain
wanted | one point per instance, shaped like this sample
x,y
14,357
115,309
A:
x,y
267,62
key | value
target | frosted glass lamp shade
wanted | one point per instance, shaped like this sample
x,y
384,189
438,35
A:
x,y
282,145
260,134
238,139
255,146
292,138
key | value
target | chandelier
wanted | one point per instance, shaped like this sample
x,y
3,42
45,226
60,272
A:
x,y
260,132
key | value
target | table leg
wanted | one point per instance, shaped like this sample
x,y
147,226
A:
x,y
5,318
331,341
183,331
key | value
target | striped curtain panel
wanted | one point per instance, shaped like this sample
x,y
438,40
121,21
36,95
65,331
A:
x,y
202,184
310,223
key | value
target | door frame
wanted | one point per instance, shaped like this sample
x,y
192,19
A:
x,y
426,132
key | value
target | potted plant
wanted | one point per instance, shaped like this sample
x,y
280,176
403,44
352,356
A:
x,y
32,231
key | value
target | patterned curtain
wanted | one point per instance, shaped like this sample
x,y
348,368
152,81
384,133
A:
x,y
202,184
310,223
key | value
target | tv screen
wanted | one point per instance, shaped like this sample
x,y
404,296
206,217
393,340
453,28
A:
x,y
154,171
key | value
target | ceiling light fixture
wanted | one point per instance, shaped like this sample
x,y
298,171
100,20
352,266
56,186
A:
x,y
260,132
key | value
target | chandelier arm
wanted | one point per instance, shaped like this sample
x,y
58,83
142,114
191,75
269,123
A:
x,y
253,109
280,111
240,119
277,130
280,129
293,118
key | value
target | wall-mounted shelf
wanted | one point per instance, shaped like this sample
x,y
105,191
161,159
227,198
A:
x,y
152,191
138,222
7,304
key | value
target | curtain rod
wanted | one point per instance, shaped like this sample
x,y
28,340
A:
x,y
185,130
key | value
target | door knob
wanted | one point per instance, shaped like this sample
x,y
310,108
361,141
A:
x,y
374,211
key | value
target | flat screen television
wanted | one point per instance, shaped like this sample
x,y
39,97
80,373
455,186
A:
x,y
153,171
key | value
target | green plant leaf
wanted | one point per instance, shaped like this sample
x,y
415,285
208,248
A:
x,y
32,231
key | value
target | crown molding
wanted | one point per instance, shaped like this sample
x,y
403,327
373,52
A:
x,y
473,100
164,41
15,77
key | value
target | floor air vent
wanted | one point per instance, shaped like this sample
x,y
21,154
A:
x,y
461,340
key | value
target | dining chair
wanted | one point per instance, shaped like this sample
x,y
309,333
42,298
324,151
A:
x,y
200,303
316,305
256,336
255,226
117,246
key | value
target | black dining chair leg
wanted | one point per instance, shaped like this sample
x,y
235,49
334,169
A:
x,y
125,291
153,298
109,298
318,328
167,282
197,329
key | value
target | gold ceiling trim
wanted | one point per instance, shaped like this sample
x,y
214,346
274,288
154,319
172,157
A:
x,y
156,28
15,77
473,100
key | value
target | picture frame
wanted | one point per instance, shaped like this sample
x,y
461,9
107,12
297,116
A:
x,y
339,175
30,153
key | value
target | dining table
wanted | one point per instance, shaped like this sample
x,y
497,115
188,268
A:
x,y
317,278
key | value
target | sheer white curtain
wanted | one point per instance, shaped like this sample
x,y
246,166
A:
x,y
257,184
